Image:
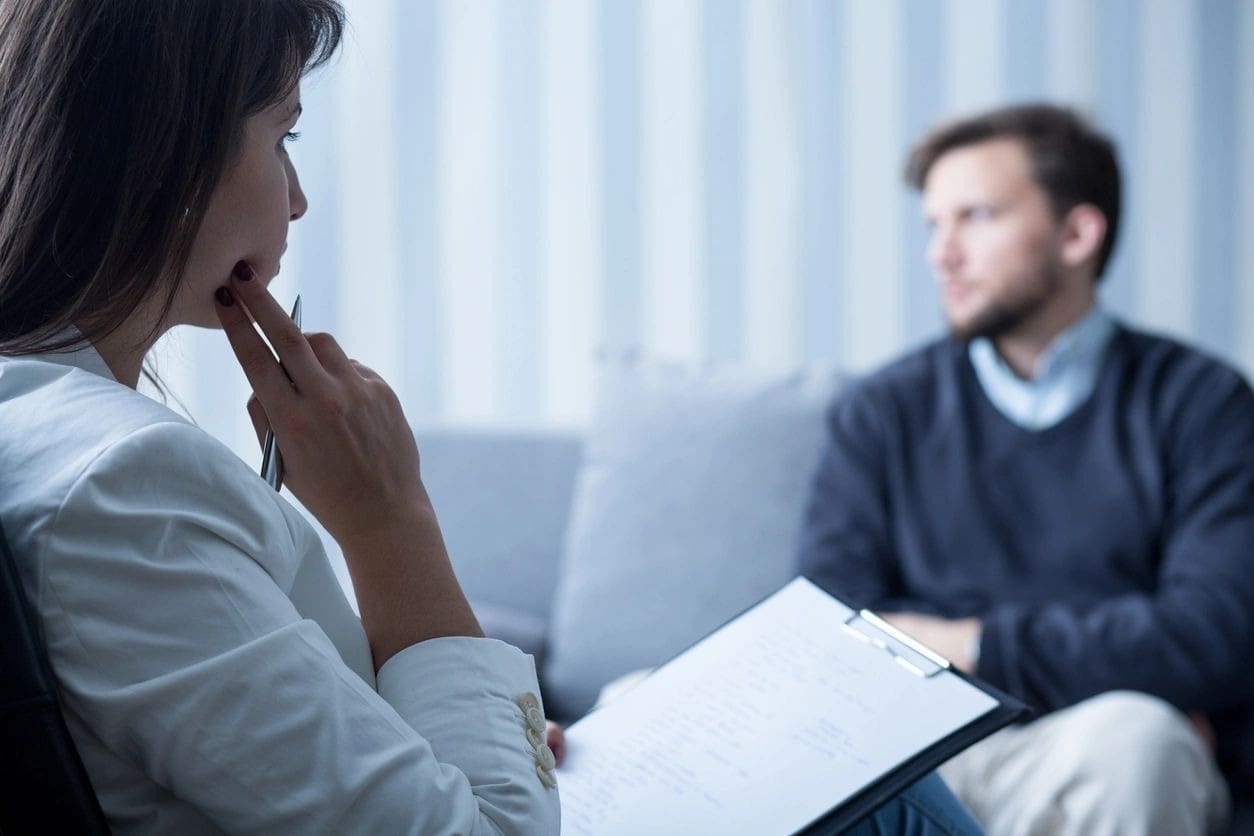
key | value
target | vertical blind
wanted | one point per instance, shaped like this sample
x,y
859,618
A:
x,y
503,190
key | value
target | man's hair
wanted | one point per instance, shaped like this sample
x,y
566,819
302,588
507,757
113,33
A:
x,y
1071,161
117,120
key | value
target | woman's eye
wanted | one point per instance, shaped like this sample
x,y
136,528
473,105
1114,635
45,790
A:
x,y
290,136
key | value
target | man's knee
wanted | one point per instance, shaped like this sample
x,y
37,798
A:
x,y
1130,716
1136,755
1133,739
1121,762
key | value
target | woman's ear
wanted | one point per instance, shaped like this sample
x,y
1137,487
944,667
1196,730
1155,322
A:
x,y
1083,232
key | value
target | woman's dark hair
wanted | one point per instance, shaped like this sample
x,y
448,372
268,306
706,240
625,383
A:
x,y
1071,161
117,119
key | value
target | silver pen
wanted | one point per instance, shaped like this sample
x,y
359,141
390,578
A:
x,y
271,458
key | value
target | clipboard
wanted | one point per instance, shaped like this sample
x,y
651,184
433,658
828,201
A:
x,y
906,652
832,665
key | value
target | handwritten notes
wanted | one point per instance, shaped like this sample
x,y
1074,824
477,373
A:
x,y
760,728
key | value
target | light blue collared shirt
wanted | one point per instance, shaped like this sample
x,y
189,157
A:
x,y
1063,379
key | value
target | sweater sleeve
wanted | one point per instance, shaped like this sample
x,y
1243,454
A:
x,y
846,541
168,623
1191,640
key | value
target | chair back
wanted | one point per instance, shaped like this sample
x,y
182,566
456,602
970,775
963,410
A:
x,y
43,785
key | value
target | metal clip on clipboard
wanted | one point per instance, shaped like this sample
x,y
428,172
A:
x,y
867,627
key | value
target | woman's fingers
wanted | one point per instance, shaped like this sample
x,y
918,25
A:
x,y
364,370
286,338
556,739
329,353
349,454
269,382
261,422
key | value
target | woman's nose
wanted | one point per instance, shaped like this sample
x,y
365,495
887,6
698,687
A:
x,y
295,195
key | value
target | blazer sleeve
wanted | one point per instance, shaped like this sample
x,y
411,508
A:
x,y
163,591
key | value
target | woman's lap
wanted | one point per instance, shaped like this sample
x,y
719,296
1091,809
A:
x,y
927,808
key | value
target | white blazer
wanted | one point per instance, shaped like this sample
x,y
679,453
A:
x,y
213,675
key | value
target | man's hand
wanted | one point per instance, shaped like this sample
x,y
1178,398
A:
x,y
953,639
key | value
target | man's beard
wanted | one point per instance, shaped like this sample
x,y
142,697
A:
x,y
996,320
1005,316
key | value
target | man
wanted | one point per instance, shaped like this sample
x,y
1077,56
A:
x,y
1060,504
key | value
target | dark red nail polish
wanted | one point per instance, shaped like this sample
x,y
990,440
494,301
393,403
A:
x,y
243,271
224,297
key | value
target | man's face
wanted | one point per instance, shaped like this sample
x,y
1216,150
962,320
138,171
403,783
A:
x,y
994,242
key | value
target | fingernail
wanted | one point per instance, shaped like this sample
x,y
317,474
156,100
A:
x,y
243,271
224,297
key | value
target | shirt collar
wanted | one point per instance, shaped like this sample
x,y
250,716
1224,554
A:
x,y
1065,373
1080,345
82,356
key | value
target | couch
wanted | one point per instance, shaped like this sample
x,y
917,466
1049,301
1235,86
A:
x,y
608,550
613,550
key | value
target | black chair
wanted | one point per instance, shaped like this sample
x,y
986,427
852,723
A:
x,y
43,785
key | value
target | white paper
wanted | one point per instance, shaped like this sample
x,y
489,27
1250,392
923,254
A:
x,y
761,728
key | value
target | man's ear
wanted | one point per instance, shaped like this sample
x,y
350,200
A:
x,y
1083,231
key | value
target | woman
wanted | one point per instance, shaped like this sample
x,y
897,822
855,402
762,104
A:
x,y
213,676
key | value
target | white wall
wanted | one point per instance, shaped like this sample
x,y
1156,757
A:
x,y
500,189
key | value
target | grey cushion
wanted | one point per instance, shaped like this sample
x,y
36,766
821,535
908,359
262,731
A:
x,y
686,512
503,498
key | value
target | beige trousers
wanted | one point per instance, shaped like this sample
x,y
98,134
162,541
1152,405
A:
x,y
1120,763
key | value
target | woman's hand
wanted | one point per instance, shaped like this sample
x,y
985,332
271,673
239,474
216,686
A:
x,y
348,452
350,457
555,737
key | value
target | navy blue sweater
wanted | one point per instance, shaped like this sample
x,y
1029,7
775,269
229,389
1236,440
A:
x,y
1113,550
